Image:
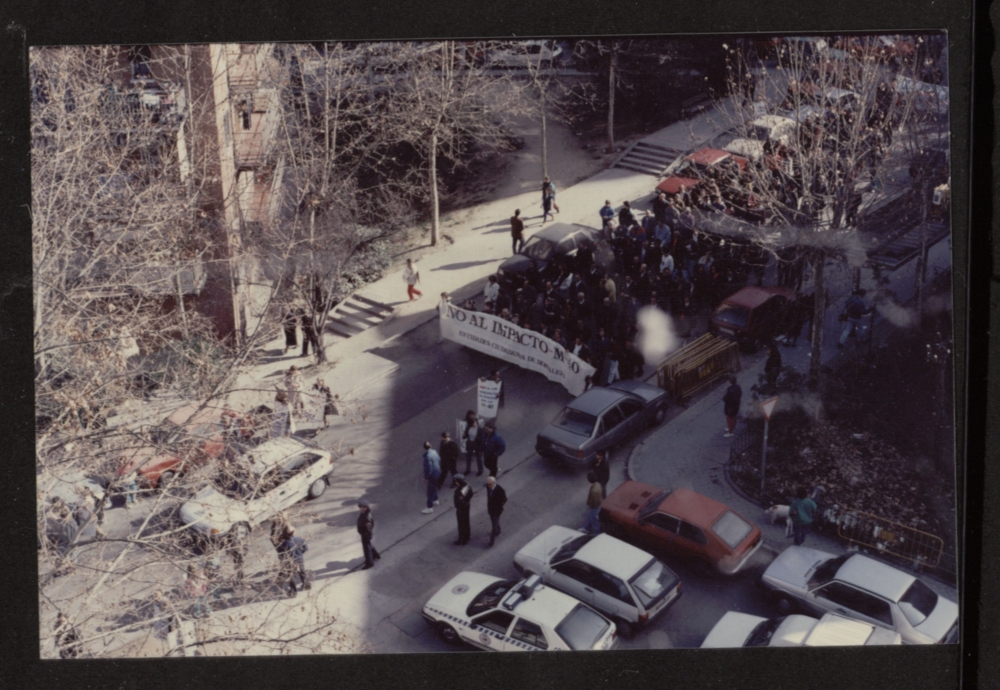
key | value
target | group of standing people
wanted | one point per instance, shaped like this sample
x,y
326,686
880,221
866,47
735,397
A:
x,y
293,318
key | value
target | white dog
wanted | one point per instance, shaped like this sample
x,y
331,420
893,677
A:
x,y
780,512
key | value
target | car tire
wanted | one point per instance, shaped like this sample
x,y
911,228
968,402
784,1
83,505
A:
x,y
448,633
240,531
659,415
317,488
625,628
165,479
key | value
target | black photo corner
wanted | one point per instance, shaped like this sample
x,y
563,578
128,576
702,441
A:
x,y
973,64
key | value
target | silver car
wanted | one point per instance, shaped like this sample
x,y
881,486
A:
x,y
601,418
863,589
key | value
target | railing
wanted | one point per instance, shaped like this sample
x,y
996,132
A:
x,y
697,365
890,538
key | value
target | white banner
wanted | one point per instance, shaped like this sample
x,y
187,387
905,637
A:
x,y
520,346
489,398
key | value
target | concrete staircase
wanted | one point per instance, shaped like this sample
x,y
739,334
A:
x,y
644,157
357,314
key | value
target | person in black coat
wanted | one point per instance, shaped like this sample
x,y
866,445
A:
x,y
309,335
495,499
289,322
448,450
731,405
625,216
602,470
772,367
463,503
366,528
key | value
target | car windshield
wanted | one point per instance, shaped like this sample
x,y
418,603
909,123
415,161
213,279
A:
x,y
762,634
537,248
582,628
490,597
759,132
576,422
689,169
653,503
918,602
732,529
653,583
732,315
826,570
569,550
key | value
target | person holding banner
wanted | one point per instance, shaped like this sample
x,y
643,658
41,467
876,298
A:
x,y
432,471
493,448
472,442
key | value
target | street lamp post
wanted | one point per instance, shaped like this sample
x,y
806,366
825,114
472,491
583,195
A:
x,y
767,407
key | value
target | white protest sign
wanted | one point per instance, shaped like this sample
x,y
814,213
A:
x,y
521,346
488,398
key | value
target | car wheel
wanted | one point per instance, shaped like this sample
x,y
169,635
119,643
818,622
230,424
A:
x,y
785,605
317,488
660,414
165,479
447,633
240,531
625,629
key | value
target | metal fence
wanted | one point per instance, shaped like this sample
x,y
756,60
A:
x,y
890,538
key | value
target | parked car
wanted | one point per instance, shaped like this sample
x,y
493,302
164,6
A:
x,y
689,171
752,316
525,53
264,481
189,437
683,523
864,589
775,129
602,418
743,630
557,241
500,615
618,579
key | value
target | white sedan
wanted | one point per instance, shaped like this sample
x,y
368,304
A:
x,y
500,615
864,589
266,480
743,630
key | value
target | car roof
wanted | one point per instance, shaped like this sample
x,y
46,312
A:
x,y
546,605
878,578
837,631
707,156
673,184
694,507
274,452
559,231
613,556
752,297
772,121
598,399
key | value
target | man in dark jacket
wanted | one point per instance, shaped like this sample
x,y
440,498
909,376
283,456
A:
x,y
495,498
309,335
366,528
493,448
602,470
448,450
731,405
625,216
463,502
516,231
292,554
772,367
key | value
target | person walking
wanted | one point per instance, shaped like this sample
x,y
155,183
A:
x,y
329,401
516,232
293,385
549,187
309,335
411,276
448,450
801,512
463,503
472,441
592,525
546,206
731,405
602,470
493,448
289,322
366,528
496,497
772,367
292,552
432,471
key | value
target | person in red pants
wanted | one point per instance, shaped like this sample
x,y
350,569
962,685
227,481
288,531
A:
x,y
412,276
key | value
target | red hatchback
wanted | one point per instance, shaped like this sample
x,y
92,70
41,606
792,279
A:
x,y
681,522
753,316
694,165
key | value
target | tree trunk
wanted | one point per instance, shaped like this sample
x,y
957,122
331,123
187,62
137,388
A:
x,y
545,150
921,268
611,101
819,313
435,210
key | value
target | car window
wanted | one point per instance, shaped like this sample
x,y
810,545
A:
x,y
575,570
630,407
529,633
301,463
653,582
732,315
269,481
612,418
498,621
732,529
490,597
582,628
826,570
918,602
667,523
692,533
576,422
860,602
537,248
612,586
567,244
762,634
569,549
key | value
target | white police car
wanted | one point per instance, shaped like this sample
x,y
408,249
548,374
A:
x,y
515,616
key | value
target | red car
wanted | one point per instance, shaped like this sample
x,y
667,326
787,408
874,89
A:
x,y
753,316
683,523
189,437
694,165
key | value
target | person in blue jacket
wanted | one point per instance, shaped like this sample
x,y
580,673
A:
x,y
493,448
432,472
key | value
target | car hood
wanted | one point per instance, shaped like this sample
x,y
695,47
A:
x,y
537,553
732,630
643,390
628,499
456,595
518,264
562,437
937,625
210,509
795,565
